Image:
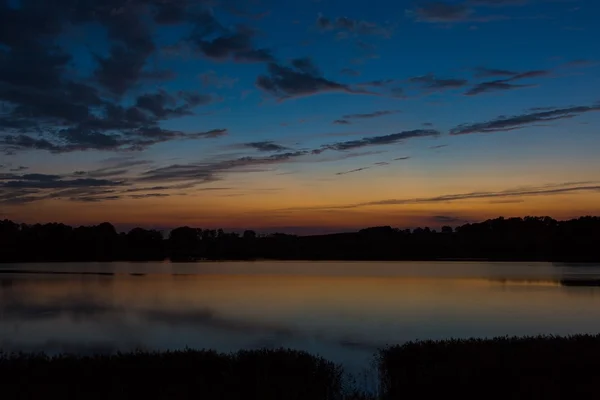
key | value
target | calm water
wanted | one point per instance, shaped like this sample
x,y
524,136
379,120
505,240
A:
x,y
341,310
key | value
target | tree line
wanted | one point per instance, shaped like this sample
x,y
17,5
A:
x,y
527,239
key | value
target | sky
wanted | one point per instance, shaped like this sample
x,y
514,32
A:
x,y
304,116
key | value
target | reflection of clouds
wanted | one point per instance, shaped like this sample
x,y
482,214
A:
x,y
124,323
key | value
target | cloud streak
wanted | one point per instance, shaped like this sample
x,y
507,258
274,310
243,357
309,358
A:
x,y
299,79
519,121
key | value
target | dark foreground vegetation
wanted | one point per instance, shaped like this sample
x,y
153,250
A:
x,y
502,368
206,375
527,239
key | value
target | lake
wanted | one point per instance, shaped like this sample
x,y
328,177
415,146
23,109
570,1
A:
x,y
343,311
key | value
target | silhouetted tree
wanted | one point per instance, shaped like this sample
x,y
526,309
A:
x,y
528,238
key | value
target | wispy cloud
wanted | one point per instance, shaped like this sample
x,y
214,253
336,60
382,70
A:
x,y
346,27
299,79
519,121
508,194
432,82
266,146
373,114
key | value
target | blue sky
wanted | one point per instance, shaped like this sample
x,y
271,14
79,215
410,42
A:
x,y
277,114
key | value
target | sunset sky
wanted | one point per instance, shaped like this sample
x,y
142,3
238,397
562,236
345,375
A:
x,y
300,116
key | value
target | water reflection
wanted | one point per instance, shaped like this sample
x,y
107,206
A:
x,y
344,317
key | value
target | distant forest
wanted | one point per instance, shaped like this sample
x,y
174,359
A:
x,y
526,239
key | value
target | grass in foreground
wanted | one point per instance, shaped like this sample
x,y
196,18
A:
x,y
544,367
502,368
262,374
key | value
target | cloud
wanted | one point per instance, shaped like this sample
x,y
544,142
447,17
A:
x,y
50,105
232,45
508,194
379,140
519,121
494,86
162,105
341,122
206,172
401,158
352,170
373,114
429,81
19,168
439,146
306,65
444,12
503,84
345,26
551,189
438,11
266,146
498,2
211,171
49,182
288,82
482,72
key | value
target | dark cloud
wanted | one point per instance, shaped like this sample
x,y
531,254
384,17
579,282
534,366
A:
x,y
520,121
503,84
56,183
233,45
382,163
374,114
349,72
439,146
379,83
306,65
498,2
116,168
266,146
494,86
352,170
482,72
171,12
162,105
131,47
48,107
381,140
401,158
347,26
287,82
429,81
448,12
341,122
19,168
148,195
211,171
438,11
197,173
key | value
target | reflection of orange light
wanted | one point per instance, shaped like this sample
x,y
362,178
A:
x,y
284,295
